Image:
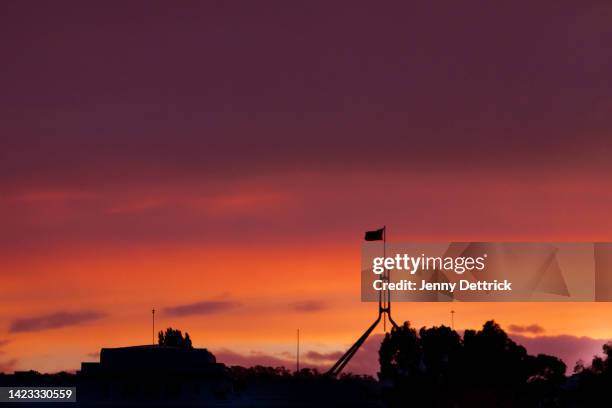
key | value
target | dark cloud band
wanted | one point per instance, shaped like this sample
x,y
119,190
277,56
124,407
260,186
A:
x,y
200,308
53,321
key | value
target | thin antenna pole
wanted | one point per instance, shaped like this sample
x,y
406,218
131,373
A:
x,y
153,319
298,351
453,319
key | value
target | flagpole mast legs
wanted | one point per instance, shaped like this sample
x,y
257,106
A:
x,y
384,310
346,357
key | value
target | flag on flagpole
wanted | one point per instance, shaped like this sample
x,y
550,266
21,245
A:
x,y
376,235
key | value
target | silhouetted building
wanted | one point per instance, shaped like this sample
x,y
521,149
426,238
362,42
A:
x,y
153,374
150,358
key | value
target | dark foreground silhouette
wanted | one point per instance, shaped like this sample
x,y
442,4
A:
x,y
485,368
434,367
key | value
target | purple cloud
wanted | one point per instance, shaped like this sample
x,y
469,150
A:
x,y
364,362
532,328
53,321
310,359
568,348
309,306
200,308
316,356
253,358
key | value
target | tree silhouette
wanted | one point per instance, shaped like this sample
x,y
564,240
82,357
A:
x,y
436,367
442,353
400,353
494,359
174,338
591,384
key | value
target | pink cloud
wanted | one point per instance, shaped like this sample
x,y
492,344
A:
x,y
331,356
229,357
532,328
568,348
310,359
364,362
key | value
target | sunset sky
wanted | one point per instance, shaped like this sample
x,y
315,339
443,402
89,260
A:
x,y
220,162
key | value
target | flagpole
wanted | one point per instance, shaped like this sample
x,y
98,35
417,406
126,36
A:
x,y
380,293
386,302
388,305
383,309
388,279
